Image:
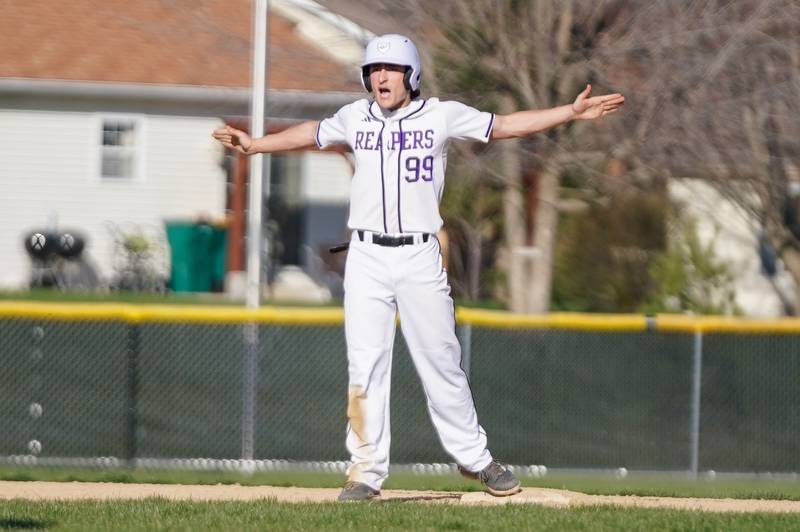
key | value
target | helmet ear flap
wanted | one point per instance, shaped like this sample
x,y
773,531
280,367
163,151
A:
x,y
407,78
365,78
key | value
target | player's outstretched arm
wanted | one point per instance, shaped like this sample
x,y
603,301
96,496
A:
x,y
525,123
300,136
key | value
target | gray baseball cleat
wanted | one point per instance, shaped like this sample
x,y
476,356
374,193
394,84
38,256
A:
x,y
357,491
498,480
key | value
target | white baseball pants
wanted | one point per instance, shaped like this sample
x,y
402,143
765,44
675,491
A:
x,y
380,281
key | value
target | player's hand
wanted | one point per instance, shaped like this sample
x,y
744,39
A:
x,y
586,108
233,138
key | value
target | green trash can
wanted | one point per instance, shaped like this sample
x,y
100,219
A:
x,y
197,253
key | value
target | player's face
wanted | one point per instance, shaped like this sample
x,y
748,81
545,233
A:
x,y
387,85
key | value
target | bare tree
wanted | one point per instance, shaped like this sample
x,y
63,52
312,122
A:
x,y
526,55
508,55
713,90
714,93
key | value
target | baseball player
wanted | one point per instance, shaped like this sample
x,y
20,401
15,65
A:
x,y
394,264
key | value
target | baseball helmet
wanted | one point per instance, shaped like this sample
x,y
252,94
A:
x,y
395,50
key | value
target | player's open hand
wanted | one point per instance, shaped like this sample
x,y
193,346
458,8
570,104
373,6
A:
x,y
233,138
586,108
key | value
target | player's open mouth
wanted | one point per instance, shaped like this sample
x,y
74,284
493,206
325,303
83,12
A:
x,y
384,92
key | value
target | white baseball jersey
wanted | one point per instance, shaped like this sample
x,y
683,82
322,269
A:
x,y
399,179
401,158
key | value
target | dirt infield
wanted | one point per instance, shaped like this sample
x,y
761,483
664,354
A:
x,y
546,497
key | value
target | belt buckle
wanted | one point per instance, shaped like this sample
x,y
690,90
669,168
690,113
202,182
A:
x,y
383,239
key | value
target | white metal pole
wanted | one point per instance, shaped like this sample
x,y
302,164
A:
x,y
259,173
257,161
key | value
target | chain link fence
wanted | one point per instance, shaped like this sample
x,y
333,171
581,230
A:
x,y
137,386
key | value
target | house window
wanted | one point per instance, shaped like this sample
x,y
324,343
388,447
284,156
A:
x,y
120,148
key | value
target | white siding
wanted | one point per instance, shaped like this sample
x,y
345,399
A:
x,y
735,241
48,170
326,178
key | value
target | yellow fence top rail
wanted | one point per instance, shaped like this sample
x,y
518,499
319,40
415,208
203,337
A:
x,y
131,313
136,313
721,324
558,320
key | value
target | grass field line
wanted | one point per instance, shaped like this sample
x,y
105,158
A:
x,y
73,491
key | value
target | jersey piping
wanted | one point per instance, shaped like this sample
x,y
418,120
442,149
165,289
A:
x,y
319,124
489,129
383,185
430,127
399,159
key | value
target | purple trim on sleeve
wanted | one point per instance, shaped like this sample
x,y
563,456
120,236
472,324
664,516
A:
x,y
489,129
319,125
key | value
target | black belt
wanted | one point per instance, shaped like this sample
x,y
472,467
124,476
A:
x,y
391,240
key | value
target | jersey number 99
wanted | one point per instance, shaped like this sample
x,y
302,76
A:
x,y
419,169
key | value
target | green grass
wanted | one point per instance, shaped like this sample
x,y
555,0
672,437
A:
x,y
144,298
57,296
667,486
643,485
180,298
63,474
157,514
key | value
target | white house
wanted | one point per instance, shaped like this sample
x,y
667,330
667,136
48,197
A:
x,y
735,238
107,108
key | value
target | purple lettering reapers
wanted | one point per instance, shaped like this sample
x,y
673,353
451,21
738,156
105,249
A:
x,y
417,140
368,140
409,140
406,140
